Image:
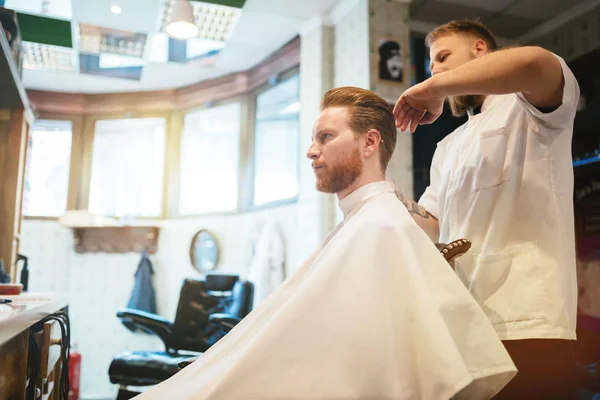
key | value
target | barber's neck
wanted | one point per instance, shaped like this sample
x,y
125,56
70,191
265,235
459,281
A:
x,y
368,175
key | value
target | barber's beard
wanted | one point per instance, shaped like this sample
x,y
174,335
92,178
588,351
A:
x,y
460,104
338,177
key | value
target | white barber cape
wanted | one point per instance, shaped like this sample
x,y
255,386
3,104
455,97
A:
x,y
375,313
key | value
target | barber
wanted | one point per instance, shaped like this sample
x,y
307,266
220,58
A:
x,y
504,180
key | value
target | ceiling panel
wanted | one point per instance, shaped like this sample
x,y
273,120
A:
x,y
303,9
136,15
51,8
495,5
264,30
541,9
440,12
239,57
510,26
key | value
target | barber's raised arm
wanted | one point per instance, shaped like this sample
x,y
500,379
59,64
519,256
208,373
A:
x,y
533,71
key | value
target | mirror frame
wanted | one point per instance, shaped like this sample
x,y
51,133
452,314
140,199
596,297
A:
x,y
193,252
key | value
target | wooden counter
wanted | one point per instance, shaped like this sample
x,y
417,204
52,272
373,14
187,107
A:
x,y
24,311
16,321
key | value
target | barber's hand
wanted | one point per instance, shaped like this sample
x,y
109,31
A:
x,y
417,105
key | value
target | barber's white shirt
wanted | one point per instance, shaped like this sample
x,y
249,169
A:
x,y
504,180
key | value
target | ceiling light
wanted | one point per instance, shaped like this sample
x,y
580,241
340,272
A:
x,y
115,9
216,22
182,24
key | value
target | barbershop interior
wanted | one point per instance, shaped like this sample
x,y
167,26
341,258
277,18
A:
x,y
155,187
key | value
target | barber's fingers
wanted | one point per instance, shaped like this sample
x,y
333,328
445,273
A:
x,y
428,119
404,110
400,110
412,116
416,119
401,102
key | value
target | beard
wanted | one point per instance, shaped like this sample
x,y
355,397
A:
x,y
341,175
460,104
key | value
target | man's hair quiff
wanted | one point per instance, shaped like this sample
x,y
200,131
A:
x,y
466,27
367,111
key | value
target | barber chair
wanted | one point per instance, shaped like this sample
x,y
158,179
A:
x,y
451,251
206,311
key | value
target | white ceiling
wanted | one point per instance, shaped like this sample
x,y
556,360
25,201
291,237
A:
x,y
264,26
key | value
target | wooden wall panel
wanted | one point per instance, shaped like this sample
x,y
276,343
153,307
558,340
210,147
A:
x,y
13,145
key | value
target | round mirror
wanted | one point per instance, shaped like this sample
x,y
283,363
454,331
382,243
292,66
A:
x,y
204,251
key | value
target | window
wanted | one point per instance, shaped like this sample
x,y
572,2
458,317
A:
x,y
127,167
276,143
47,171
210,144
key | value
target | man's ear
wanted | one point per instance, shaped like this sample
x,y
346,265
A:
x,y
372,142
479,48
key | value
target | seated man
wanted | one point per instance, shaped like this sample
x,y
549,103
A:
x,y
374,313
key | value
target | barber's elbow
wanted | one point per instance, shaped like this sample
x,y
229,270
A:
x,y
543,80
540,63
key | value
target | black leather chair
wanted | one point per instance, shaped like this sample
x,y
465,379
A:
x,y
206,311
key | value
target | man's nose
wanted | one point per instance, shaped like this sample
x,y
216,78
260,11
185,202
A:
x,y
312,152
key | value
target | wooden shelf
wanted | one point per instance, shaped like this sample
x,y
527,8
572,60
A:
x,y
12,91
116,239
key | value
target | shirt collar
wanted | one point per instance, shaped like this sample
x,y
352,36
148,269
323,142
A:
x,y
363,193
487,102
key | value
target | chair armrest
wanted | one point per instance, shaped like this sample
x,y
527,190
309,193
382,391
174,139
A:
x,y
153,323
224,321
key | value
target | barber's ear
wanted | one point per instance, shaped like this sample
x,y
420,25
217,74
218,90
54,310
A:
x,y
372,142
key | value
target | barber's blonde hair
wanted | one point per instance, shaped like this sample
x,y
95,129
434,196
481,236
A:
x,y
367,111
466,27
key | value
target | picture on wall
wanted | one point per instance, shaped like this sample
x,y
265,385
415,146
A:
x,y
391,68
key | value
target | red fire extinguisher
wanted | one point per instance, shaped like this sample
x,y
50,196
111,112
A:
x,y
74,370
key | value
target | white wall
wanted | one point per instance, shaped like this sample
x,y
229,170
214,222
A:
x,y
389,19
351,50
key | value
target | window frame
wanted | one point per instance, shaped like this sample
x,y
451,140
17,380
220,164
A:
x,y
76,157
88,150
175,187
249,204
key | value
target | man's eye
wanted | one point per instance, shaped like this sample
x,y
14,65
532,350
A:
x,y
324,136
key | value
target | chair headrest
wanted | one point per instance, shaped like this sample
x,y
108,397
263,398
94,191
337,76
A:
x,y
221,282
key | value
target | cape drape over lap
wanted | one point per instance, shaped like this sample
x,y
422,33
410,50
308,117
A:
x,y
375,313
